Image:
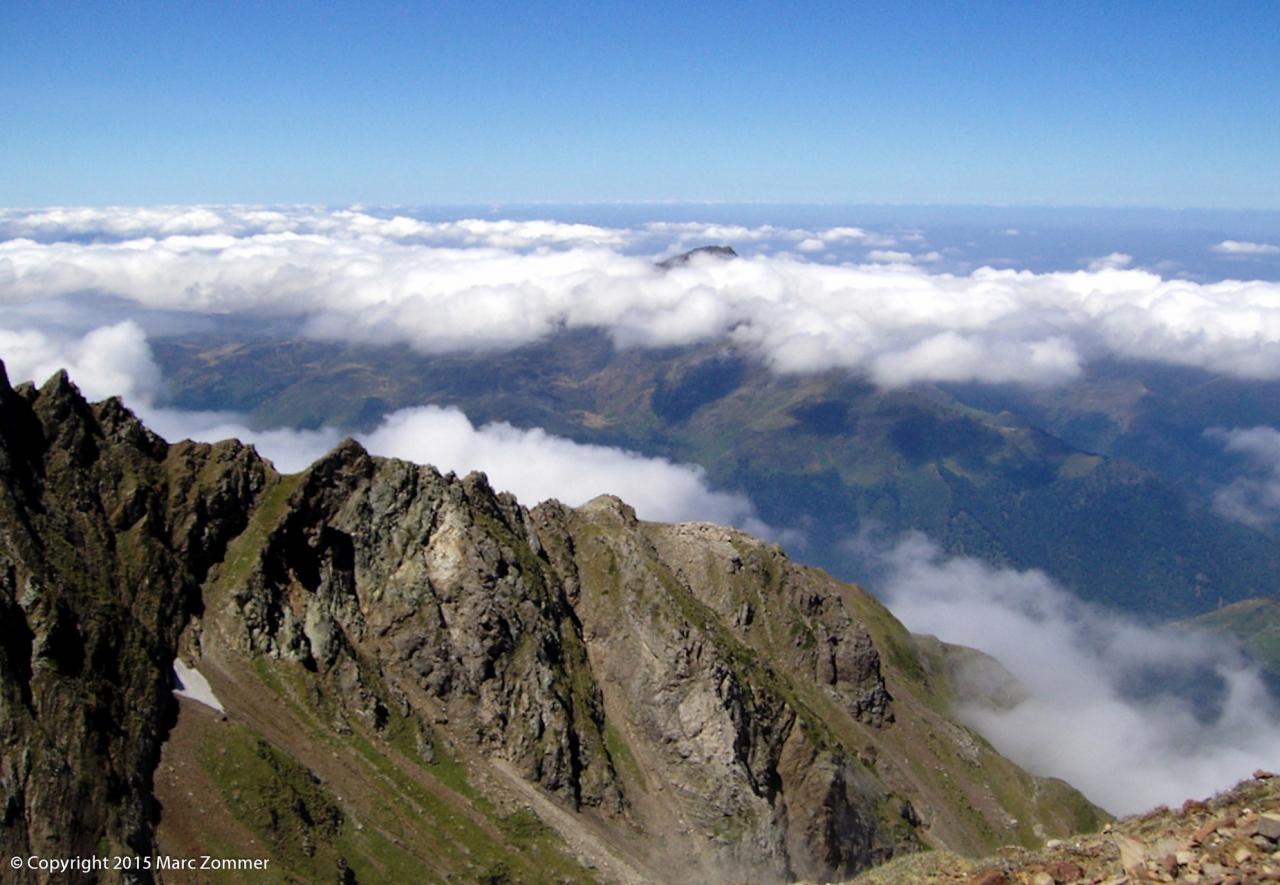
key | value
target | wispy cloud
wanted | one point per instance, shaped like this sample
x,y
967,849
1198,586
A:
x,y
1253,499
1132,715
1114,261
1243,247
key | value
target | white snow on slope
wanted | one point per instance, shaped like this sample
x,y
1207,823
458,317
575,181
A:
x,y
189,683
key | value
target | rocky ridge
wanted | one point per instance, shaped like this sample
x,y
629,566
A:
x,y
423,677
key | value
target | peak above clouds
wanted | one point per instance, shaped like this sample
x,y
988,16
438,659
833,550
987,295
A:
x,y
492,283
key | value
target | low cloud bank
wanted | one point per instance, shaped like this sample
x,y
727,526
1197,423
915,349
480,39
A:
x,y
1132,715
533,464
485,283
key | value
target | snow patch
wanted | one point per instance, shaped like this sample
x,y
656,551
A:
x,y
189,683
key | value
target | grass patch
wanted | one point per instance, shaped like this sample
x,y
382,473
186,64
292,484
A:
x,y
621,754
244,552
277,799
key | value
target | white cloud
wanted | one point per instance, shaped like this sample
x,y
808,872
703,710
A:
x,y
1105,710
948,356
701,233
833,234
1114,261
163,222
889,256
536,465
108,361
1254,499
1243,247
470,284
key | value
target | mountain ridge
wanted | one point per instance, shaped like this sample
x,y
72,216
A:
x,y
419,673
827,453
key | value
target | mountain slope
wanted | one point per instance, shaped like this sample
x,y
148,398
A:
x,y
421,677
1255,625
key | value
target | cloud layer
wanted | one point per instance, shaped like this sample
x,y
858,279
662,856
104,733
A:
x,y
473,284
77,287
1134,716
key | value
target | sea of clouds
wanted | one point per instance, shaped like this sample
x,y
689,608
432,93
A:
x,y
86,290
480,283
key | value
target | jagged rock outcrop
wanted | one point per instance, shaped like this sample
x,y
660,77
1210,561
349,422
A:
x,y
105,534
406,656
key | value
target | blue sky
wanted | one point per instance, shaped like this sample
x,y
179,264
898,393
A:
x,y
1166,104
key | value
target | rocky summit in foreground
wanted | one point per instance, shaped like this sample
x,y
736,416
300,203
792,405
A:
x,y
1231,839
414,678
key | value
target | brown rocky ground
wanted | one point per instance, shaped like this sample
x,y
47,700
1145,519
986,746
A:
x,y
1230,839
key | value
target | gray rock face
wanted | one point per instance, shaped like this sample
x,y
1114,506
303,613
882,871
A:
x,y
525,627
384,573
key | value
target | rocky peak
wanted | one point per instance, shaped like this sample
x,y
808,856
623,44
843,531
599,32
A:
x,y
612,508
701,252
103,541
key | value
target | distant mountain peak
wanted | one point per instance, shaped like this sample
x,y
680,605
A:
x,y
722,252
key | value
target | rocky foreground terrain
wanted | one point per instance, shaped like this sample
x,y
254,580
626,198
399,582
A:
x,y
1231,839
412,677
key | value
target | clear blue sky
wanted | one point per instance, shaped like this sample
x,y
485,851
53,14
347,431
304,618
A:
x,y
1154,103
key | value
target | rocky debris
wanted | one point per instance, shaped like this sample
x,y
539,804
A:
x,y
1231,839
